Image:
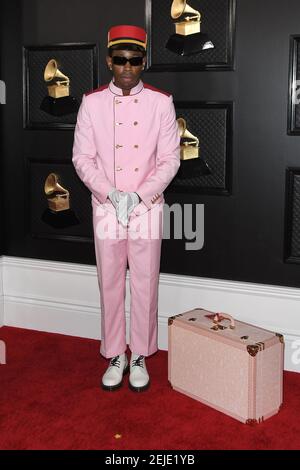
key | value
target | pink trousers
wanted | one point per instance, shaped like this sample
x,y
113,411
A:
x,y
140,245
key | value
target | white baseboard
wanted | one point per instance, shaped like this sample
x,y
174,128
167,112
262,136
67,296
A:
x,y
64,298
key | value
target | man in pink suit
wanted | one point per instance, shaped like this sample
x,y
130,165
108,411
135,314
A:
x,y
127,151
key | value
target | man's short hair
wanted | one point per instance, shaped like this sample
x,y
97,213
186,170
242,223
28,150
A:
x,y
126,47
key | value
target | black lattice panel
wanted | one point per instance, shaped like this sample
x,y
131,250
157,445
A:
x,y
295,248
297,106
217,21
73,224
292,240
76,62
211,123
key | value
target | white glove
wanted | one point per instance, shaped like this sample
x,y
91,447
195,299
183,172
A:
x,y
114,196
127,203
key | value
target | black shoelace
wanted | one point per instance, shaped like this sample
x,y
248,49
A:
x,y
115,361
138,362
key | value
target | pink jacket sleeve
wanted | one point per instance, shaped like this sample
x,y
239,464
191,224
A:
x,y
168,155
84,156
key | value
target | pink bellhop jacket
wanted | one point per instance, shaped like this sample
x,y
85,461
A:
x,y
131,143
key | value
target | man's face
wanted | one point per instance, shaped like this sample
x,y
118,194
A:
x,y
126,76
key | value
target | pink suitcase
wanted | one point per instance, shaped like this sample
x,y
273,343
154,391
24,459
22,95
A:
x,y
229,365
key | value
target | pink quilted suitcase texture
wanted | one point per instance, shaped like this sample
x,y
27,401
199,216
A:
x,y
232,366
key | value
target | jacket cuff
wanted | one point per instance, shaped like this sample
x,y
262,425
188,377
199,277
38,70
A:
x,y
145,200
103,195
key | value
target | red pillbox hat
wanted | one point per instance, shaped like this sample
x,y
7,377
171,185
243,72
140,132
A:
x,y
127,34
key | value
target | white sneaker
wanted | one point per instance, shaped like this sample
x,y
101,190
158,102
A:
x,y
139,377
113,377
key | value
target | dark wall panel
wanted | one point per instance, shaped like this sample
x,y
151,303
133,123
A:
x,y
245,229
1,151
12,170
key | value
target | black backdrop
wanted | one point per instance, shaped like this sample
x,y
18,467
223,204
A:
x,y
245,231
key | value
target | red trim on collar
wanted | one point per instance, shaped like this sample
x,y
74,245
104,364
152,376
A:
x,y
101,88
150,87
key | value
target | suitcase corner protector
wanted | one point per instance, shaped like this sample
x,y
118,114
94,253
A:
x,y
171,319
280,337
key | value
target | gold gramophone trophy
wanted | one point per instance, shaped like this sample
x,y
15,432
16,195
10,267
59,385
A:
x,y
58,213
192,165
57,196
188,38
58,102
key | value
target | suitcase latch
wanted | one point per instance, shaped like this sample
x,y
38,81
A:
x,y
219,327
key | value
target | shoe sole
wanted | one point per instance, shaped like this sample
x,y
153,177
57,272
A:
x,y
111,388
139,389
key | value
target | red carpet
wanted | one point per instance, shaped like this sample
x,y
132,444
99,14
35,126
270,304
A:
x,y
50,399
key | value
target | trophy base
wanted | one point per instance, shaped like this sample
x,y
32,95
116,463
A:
x,y
61,219
59,106
193,168
189,45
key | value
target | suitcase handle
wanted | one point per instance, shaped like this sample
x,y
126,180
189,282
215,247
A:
x,y
224,316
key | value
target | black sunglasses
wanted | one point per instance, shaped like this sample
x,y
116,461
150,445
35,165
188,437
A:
x,y
134,61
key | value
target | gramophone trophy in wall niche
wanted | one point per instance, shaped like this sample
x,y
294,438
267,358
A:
x,y
188,39
57,196
58,102
58,214
191,163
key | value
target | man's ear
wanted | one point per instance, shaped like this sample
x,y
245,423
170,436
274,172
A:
x,y
109,62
